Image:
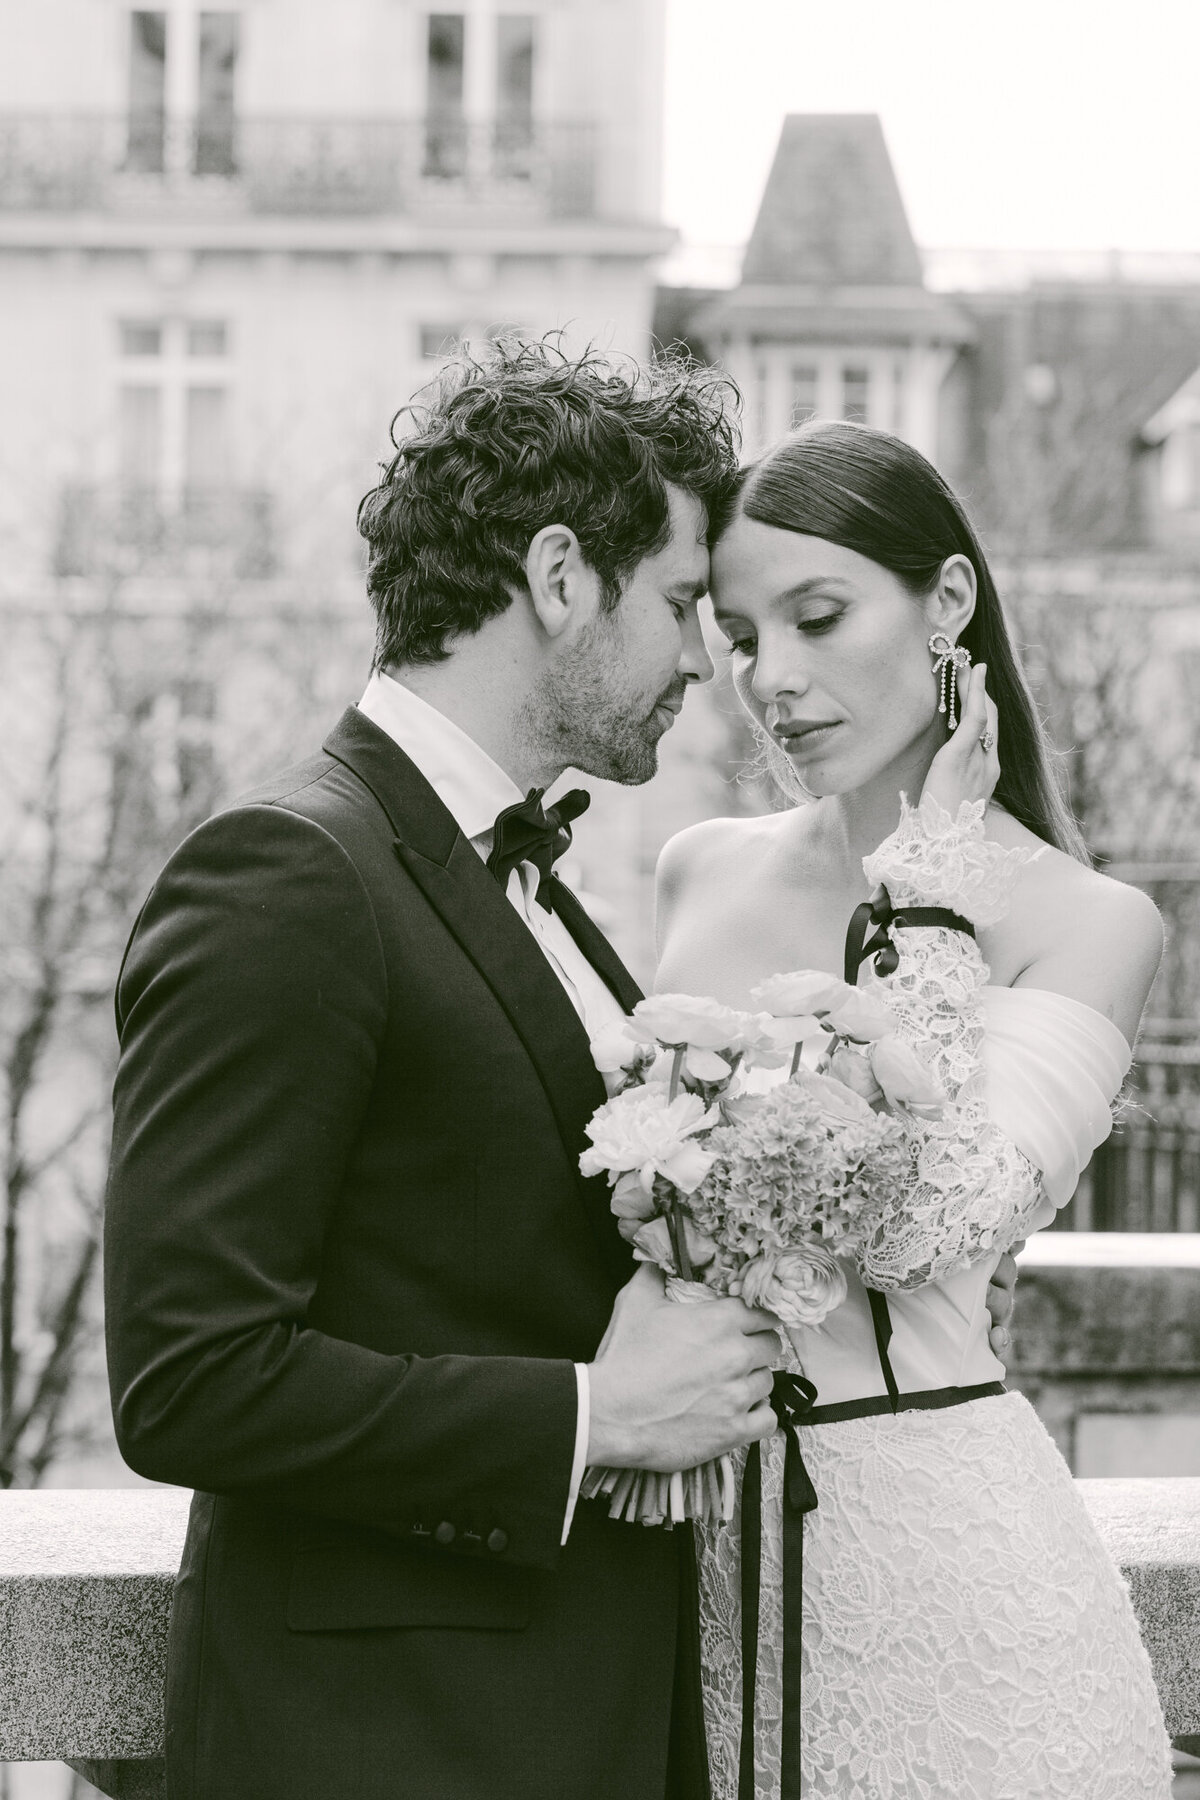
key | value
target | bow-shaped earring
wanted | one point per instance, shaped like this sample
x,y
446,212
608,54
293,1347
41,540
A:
x,y
951,662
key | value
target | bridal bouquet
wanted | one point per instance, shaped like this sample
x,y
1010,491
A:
x,y
763,1194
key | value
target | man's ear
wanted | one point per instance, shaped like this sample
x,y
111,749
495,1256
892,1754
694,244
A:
x,y
561,586
951,606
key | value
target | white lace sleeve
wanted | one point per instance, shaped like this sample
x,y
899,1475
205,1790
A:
x,y
973,1191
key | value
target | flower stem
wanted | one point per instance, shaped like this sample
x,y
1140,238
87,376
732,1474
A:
x,y
676,1072
678,1230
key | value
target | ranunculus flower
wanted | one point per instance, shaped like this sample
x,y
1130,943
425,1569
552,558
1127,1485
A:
x,y
852,1069
640,1129
689,1019
904,1078
839,1105
860,1016
800,1286
706,1065
652,1242
630,1199
801,991
775,1038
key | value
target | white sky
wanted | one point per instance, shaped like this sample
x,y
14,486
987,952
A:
x,y
1032,124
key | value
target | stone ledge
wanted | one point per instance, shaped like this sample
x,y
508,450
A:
x,y
85,1592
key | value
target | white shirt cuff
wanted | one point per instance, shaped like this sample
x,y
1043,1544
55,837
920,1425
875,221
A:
x,y
583,1420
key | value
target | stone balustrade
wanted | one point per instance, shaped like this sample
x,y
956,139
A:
x,y
85,1594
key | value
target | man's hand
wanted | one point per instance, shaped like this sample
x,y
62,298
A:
x,y
1001,1298
674,1385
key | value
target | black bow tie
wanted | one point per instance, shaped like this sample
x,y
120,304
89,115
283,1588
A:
x,y
527,833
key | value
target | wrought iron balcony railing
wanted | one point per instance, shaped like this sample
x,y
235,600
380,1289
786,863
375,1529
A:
x,y
93,162
131,531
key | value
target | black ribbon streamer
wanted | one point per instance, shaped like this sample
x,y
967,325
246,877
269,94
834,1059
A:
x,y
527,833
792,1397
879,912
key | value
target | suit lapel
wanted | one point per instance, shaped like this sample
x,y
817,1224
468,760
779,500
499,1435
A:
x,y
470,903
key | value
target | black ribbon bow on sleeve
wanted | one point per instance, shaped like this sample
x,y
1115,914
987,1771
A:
x,y
879,912
525,832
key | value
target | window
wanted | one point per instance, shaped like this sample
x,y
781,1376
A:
x,y
445,126
204,455
760,395
147,92
804,394
140,337
206,337
140,438
514,95
856,388
217,66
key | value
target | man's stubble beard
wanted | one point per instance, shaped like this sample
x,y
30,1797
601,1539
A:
x,y
575,718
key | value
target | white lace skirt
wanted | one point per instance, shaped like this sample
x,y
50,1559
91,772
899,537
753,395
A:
x,y
965,1632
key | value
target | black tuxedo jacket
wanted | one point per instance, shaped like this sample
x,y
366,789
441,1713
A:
x,y
350,1262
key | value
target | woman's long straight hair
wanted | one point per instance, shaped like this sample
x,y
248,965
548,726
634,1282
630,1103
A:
x,y
872,493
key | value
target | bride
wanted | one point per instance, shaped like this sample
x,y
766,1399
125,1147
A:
x,y
961,1631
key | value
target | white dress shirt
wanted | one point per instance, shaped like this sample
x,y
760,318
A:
x,y
474,789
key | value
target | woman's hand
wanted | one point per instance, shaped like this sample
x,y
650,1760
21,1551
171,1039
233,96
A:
x,y
963,768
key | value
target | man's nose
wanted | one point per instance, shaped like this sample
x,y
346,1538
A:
x,y
695,664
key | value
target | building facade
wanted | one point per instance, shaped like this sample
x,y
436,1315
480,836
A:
x,y
233,243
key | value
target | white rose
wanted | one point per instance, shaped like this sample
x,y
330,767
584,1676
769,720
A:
x,y
800,1286
641,1130
904,1078
690,1019
839,1104
861,1017
706,1065
801,991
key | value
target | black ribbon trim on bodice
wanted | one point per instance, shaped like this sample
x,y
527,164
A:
x,y
879,912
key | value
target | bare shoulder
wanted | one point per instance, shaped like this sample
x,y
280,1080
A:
x,y
1077,931
695,852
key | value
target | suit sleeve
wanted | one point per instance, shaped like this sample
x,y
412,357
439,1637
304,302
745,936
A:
x,y
250,1008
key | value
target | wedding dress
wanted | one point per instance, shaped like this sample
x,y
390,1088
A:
x,y
964,1632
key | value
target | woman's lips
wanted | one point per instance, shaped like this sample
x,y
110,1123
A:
x,y
805,737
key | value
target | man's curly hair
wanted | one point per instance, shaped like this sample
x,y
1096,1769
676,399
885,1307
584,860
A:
x,y
520,438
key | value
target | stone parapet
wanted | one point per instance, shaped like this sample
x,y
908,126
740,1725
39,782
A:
x,y
85,1593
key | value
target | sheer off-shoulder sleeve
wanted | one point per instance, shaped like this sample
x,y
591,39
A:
x,y
973,1192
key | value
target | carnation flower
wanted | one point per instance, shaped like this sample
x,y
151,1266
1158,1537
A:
x,y
802,991
904,1078
690,1019
641,1129
800,1286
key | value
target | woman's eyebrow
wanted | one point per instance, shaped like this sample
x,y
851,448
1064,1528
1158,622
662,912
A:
x,y
816,584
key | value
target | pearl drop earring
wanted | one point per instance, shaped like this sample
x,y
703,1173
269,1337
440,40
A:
x,y
951,662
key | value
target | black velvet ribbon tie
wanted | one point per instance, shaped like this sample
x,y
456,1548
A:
x,y
525,832
878,912
792,1398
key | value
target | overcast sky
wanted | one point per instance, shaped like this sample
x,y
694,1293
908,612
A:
x,y
1032,124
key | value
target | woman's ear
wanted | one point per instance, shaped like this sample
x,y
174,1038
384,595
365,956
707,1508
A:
x,y
951,606
559,581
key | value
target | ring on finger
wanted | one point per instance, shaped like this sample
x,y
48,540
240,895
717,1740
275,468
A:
x,y
987,740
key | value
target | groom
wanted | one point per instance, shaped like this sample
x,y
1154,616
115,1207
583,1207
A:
x,y
358,1295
